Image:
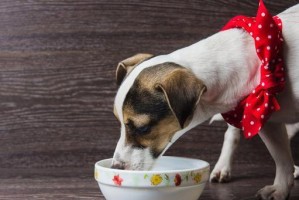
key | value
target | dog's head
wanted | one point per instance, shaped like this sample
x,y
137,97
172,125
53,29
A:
x,y
152,104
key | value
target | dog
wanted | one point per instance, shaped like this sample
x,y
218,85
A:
x,y
162,97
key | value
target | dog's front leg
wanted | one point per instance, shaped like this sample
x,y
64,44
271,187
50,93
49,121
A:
x,y
223,167
276,139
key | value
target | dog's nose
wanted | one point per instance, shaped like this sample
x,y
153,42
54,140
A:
x,y
118,166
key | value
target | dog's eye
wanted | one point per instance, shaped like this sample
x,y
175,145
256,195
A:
x,y
132,129
142,130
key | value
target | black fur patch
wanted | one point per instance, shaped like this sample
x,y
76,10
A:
x,y
146,102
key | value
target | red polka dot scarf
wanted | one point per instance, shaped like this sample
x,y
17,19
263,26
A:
x,y
253,111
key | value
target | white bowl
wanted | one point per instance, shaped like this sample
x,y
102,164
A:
x,y
171,178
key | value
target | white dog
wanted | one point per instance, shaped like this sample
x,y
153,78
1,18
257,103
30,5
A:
x,y
160,98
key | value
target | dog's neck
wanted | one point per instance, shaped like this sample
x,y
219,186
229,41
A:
x,y
227,63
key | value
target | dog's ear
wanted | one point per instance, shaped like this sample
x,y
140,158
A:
x,y
126,66
182,90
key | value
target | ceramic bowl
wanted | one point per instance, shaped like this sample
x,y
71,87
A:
x,y
171,178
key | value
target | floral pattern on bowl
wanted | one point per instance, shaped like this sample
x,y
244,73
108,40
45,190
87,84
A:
x,y
160,178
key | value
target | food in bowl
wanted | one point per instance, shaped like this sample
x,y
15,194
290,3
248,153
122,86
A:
x,y
171,178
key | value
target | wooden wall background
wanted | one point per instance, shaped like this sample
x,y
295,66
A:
x,y
57,62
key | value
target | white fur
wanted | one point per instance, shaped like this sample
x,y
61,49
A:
x,y
296,172
222,170
133,158
276,140
226,63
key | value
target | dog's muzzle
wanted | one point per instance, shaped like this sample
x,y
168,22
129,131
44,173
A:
x,y
118,166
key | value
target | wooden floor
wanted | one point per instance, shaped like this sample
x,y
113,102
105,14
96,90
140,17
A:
x,y
57,84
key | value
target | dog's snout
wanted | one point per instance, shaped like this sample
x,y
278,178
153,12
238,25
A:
x,y
118,165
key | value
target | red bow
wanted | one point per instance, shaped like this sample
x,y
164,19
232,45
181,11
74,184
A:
x,y
253,111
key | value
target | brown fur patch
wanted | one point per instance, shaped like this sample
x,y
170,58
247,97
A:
x,y
126,66
162,133
139,120
158,136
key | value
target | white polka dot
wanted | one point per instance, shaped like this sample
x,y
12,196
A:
x,y
259,26
269,36
267,93
258,50
279,24
271,25
262,116
258,109
243,128
266,59
244,116
268,75
266,67
260,128
249,24
252,123
268,47
257,38
249,134
282,69
266,105
281,39
251,33
263,84
247,105
279,59
253,91
263,14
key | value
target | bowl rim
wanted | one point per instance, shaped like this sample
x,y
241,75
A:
x,y
206,165
164,178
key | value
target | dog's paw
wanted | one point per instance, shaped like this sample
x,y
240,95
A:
x,y
272,192
296,172
220,175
